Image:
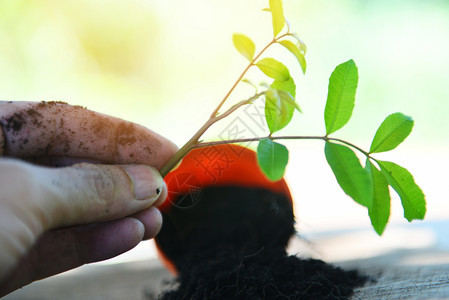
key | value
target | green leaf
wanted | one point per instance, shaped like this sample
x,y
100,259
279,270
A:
x,y
277,13
412,197
280,104
302,45
379,211
273,69
351,176
287,99
248,81
341,96
272,158
392,132
244,45
278,110
296,51
288,86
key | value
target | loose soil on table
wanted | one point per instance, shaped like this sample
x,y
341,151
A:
x,y
231,245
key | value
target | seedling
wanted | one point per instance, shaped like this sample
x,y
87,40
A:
x,y
369,185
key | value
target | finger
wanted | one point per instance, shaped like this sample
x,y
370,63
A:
x,y
64,249
46,129
59,161
86,193
36,199
2,141
151,219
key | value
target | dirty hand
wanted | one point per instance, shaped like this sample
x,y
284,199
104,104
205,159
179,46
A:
x,y
89,194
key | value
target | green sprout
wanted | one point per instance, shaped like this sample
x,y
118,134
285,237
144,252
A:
x,y
369,185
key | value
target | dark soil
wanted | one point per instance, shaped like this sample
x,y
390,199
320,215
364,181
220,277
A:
x,y
231,245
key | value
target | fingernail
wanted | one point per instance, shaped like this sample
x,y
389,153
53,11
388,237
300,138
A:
x,y
146,180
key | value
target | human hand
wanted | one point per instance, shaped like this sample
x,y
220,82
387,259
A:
x,y
56,219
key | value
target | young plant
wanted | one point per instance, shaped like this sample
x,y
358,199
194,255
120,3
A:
x,y
369,185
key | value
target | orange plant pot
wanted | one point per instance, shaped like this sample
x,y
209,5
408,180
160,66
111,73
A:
x,y
222,165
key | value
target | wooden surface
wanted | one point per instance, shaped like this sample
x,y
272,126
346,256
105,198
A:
x,y
135,280
408,274
404,275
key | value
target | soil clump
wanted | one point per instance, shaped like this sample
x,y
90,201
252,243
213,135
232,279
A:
x,y
231,245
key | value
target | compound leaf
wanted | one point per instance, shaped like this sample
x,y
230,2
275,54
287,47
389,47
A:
x,y
277,13
244,45
392,132
296,51
302,45
341,96
272,158
412,197
279,109
379,211
288,86
350,175
273,69
287,99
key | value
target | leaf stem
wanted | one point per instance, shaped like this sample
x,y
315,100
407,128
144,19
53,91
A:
x,y
252,63
351,145
214,117
216,110
284,137
193,141
185,149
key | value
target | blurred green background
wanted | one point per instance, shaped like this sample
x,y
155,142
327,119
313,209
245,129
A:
x,y
166,64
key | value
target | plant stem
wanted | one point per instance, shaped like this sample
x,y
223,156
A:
x,y
252,63
194,139
256,139
351,145
236,106
214,117
285,137
184,150
216,110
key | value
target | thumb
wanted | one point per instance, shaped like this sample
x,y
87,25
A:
x,y
86,193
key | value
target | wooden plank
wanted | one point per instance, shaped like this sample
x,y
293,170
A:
x,y
404,275
398,275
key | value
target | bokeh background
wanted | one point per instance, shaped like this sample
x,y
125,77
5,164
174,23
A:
x,y
166,64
